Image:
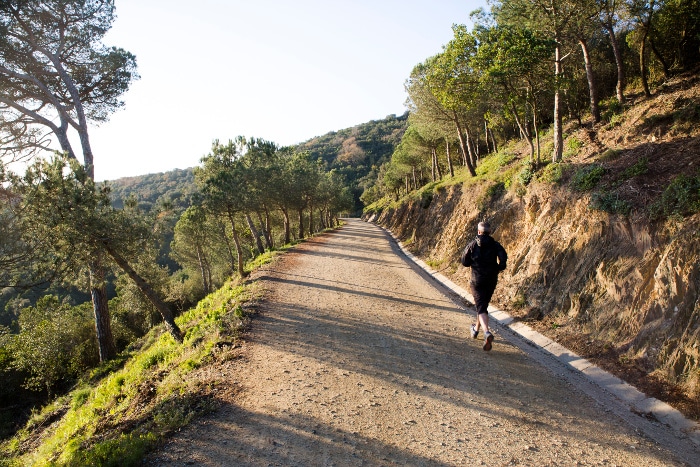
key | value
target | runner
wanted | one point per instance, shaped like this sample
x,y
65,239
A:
x,y
487,258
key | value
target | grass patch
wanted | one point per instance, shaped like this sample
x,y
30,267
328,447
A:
x,y
572,147
609,154
551,173
127,405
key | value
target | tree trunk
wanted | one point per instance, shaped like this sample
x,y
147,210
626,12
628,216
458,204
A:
x,y
103,326
592,86
643,66
449,159
232,259
620,87
537,133
256,234
287,226
464,146
148,291
266,227
203,269
664,64
558,136
523,130
437,164
311,217
301,223
237,243
493,140
642,52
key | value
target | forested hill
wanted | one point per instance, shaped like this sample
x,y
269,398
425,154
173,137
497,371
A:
x,y
174,187
355,152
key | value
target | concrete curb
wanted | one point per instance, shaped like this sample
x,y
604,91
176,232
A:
x,y
637,401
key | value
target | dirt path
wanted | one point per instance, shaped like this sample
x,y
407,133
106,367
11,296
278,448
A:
x,y
355,359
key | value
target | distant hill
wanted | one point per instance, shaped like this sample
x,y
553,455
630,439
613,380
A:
x,y
355,152
175,187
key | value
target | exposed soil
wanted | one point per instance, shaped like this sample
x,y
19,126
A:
x,y
354,358
637,372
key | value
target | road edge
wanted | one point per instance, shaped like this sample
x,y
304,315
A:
x,y
636,401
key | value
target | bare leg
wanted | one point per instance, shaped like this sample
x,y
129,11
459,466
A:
x,y
483,322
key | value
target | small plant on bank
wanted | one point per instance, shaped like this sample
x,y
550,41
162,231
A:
x,y
526,174
680,198
587,178
609,154
610,202
492,193
573,144
641,167
552,173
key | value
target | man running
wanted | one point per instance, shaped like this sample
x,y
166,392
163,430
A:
x,y
487,258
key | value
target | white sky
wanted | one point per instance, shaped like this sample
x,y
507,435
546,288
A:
x,y
285,71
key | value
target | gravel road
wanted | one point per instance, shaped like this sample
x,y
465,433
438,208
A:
x,y
355,359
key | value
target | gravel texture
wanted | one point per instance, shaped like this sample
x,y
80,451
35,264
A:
x,y
354,358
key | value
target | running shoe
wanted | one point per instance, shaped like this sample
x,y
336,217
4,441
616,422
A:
x,y
488,339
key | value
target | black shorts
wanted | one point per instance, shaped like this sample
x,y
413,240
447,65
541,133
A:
x,y
482,296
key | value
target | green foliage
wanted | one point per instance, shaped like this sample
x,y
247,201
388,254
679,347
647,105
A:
x,y
610,154
612,112
526,174
126,450
173,189
426,197
79,397
551,173
492,193
573,144
586,178
639,168
91,430
504,158
680,198
610,202
55,343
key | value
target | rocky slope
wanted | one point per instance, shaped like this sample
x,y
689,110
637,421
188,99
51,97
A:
x,y
618,285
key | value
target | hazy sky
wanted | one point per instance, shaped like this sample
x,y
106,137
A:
x,y
285,71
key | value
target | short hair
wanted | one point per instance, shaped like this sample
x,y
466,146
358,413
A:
x,y
484,227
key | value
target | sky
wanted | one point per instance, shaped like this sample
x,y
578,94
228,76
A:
x,y
284,71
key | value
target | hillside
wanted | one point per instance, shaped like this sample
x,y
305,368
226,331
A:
x,y
355,152
604,248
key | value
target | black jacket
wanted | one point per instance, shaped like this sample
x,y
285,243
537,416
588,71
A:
x,y
486,257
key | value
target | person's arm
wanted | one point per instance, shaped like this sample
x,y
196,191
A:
x,y
466,258
502,258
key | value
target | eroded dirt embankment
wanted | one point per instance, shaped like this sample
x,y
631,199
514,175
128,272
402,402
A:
x,y
617,290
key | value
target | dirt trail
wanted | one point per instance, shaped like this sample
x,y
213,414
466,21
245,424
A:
x,y
356,359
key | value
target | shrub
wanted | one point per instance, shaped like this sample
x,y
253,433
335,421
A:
x,y
505,158
610,202
639,168
526,174
680,198
613,108
573,144
551,173
588,177
492,193
55,343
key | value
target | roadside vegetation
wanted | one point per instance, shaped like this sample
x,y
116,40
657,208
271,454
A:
x,y
113,294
